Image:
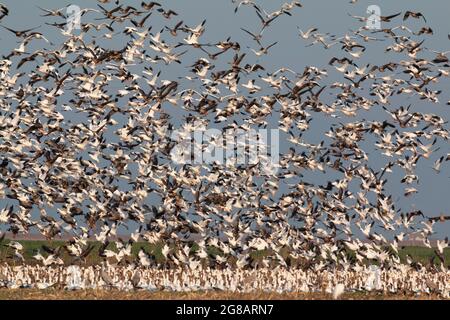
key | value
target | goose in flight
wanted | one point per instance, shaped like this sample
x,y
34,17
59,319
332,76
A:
x,y
245,3
264,50
441,218
257,37
4,11
141,23
15,245
167,14
390,17
412,14
20,33
149,6
53,13
308,33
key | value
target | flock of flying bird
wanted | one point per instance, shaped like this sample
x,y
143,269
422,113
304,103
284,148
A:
x,y
85,131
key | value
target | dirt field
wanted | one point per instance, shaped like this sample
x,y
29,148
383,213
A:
x,y
51,294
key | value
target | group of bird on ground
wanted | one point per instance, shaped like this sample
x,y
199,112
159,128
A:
x,y
403,280
86,128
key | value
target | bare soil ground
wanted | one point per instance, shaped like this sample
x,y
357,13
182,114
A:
x,y
53,294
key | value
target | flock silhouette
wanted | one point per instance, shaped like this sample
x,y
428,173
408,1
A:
x,y
85,130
